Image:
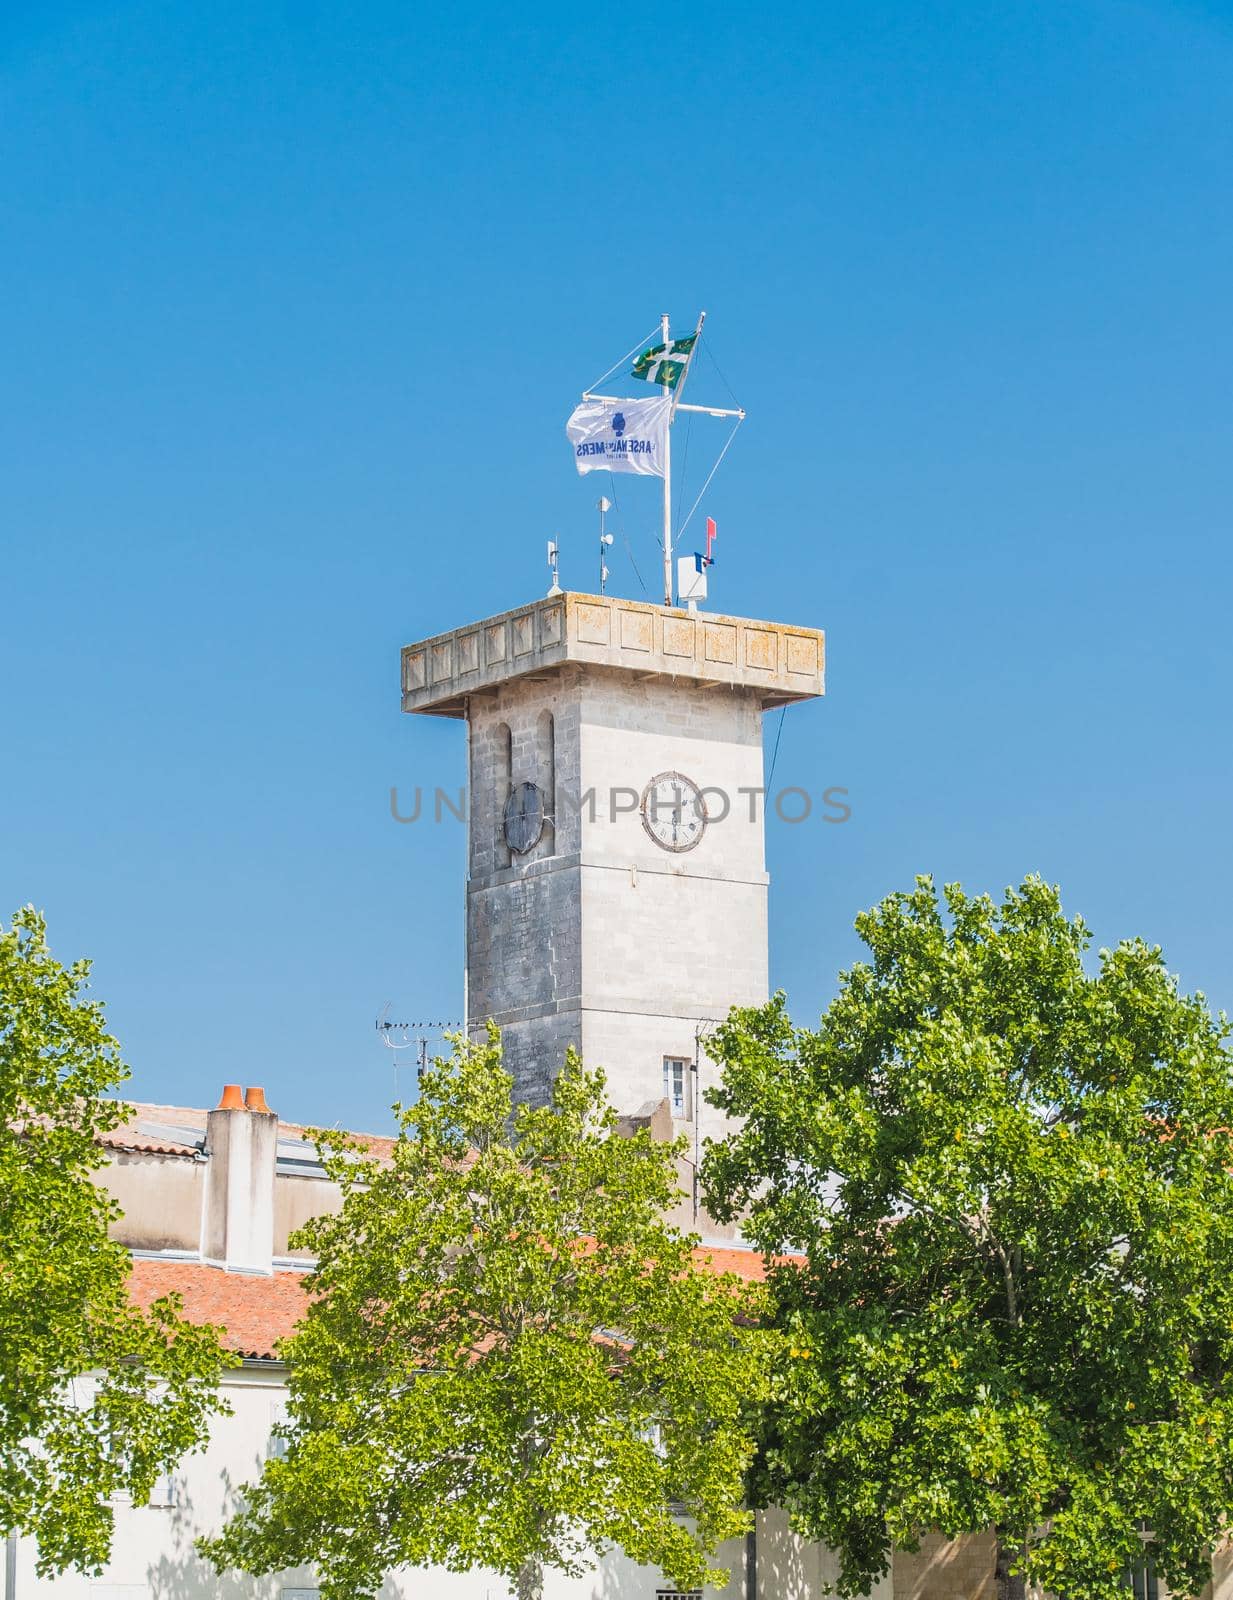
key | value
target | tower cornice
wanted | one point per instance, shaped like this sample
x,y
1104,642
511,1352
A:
x,y
779,664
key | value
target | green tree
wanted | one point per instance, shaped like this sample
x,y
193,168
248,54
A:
x,y
1011,1184
511,1360
95,1396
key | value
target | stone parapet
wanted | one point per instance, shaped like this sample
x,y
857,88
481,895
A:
x,y
778,664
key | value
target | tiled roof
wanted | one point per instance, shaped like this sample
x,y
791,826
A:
x,y
180,1131
745,1264
256,1311
159,1130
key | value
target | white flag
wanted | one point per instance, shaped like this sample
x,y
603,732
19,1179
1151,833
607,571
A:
x,y
620,435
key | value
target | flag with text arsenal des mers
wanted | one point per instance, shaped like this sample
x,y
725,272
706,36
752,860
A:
x,y
620,435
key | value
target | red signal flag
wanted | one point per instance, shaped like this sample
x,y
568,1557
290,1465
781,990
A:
x,y
712,533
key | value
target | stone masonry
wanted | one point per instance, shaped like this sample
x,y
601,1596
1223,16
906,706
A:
x,y
597,936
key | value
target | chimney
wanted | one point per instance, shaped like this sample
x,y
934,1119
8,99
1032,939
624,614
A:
x,y
241,1145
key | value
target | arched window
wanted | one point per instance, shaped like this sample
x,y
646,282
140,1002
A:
x,y
502,783
546,760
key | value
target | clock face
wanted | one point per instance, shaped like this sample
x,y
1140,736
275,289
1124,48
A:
x,y
523,820
673,811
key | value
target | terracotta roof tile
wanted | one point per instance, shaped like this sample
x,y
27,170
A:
x,y
256,1311
131,1137
747,1264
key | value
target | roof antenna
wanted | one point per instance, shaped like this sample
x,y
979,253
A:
x,y
397,1036
415,1036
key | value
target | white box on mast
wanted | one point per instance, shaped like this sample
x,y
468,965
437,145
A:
x,y
690,579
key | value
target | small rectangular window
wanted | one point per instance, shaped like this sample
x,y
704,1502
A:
x,y
678,1594
163,1493
676,1084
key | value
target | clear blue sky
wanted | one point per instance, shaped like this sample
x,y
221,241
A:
x,y
296,299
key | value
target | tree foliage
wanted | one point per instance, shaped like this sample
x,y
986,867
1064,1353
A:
x,y
96,1397
1011,1182
511,1360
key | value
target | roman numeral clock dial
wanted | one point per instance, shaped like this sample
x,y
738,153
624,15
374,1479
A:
x,y
674,811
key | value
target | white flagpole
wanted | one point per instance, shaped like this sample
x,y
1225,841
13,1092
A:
x,y
674,396
667,393
689,361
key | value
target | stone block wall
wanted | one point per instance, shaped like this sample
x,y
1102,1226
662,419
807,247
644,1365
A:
x,y
597,936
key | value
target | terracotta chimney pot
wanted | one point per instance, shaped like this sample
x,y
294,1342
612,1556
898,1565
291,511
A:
x,y
232,1099
254,1099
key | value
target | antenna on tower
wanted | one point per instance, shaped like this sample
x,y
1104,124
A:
x,y
398,1036
555,587
394,1036
605,540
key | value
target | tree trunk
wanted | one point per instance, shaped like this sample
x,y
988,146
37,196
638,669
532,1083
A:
x,y
531,1581
1010,1586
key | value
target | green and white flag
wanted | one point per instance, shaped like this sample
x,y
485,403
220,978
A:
x,y
665,363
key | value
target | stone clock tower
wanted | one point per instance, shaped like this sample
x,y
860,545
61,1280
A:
x,y
616,885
